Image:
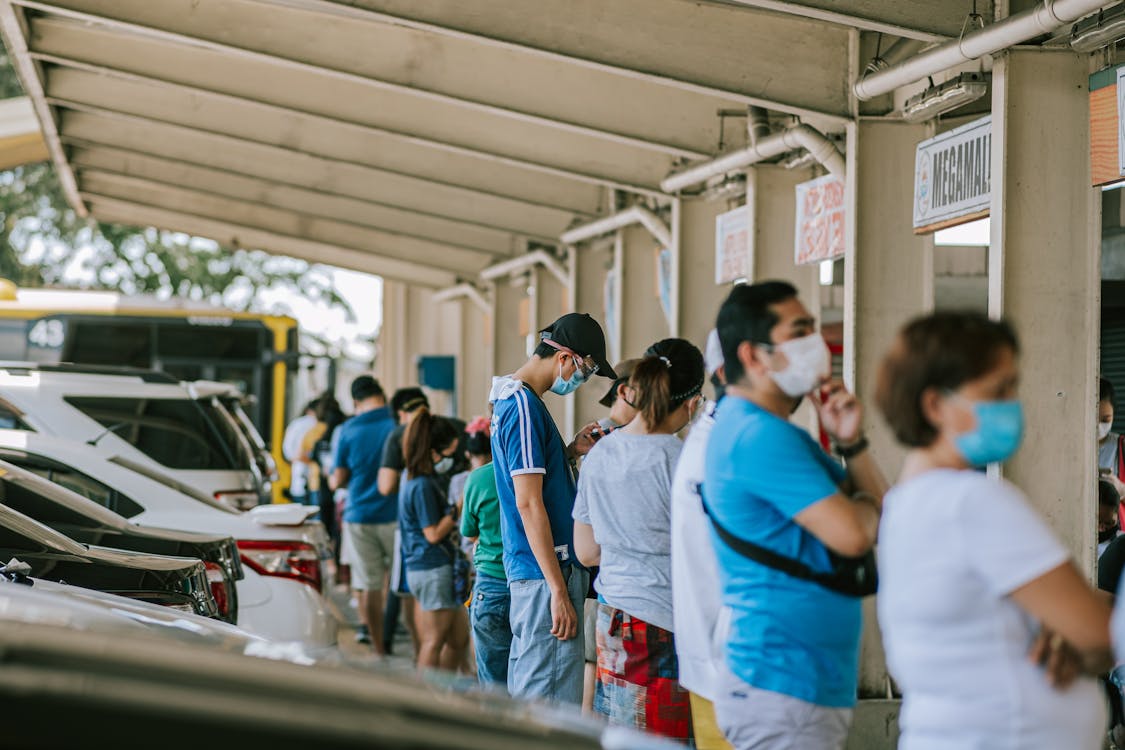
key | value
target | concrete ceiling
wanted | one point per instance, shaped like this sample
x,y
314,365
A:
x,y
422,141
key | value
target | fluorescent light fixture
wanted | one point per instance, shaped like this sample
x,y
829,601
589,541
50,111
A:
x,y
1098,31
937,100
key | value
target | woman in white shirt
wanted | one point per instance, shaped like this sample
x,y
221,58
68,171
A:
x,y
976,592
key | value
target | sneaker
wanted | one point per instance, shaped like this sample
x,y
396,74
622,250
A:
x,y
362,635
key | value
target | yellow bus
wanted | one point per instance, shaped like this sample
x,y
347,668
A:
x,y
186,339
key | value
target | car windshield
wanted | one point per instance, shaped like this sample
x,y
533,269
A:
x,y
171,483
177,433
73,480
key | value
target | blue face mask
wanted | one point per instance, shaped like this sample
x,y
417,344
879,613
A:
x,y
997,435
563,387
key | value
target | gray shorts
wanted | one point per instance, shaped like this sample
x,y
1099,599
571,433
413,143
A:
x,y
754,719
371,546
433,589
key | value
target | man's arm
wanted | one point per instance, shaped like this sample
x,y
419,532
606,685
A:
x,y
847,526
439,531
537,527
864,475
340,477
387,481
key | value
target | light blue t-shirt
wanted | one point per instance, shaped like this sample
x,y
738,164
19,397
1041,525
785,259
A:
x,y
525,440
788,635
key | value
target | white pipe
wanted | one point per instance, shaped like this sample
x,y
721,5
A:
x,y
535,258
460,291
621,219
801,136
757,124
1042,19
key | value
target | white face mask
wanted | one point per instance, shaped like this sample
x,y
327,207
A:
x,y
1103,430
810,363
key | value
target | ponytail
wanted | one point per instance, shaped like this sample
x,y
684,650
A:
x,y
670,374
425,434
416,443
652,385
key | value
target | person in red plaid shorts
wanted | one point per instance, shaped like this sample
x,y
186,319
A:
x,y
622,522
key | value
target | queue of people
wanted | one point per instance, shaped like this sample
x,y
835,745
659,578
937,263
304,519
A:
x,y
729,567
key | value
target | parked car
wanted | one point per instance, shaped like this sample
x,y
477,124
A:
x,y
67,687
176,582
85,521
229,400
143,415
285,556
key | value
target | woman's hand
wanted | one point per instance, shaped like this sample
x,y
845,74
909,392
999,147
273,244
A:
x,y
1062,663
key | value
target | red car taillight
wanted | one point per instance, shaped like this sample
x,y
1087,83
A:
x,y
238,499
220,584
296,560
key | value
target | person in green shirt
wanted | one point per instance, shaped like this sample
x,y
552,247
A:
x,y
480,521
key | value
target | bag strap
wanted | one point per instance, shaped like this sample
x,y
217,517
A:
x,y
1121,456
759,554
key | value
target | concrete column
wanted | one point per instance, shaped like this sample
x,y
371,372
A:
x,y
551,302
475,360
592,263
1044,278
642,318
509,346
699,296
888,280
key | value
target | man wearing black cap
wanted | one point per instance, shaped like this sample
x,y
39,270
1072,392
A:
x,y
537,489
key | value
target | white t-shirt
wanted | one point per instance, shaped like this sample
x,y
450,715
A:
x,y
952,546
697,608
291,448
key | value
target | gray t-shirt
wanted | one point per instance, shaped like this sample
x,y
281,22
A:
x,y
625,494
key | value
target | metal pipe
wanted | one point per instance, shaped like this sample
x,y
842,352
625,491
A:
x,y
621,219
1042,19
757,124
801,136
523,262
465,290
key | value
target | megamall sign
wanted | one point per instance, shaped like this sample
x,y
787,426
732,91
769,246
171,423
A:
x,y
953,177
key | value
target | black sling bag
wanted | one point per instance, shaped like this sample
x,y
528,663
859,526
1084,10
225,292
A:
x,y
850,576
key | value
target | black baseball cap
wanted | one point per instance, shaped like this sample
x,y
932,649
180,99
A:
x,y
624,372
582,335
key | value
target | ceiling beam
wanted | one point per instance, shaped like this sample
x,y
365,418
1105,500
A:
x,y
635,45
296,196
244,213
924,20
234,235
90,126
13,29
122,47
73,81
73,90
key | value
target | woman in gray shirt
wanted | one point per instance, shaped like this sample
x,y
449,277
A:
x,y
622,522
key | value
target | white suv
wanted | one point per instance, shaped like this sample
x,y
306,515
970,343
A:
x,y
285,557
146,417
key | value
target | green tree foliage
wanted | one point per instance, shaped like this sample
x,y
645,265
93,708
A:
x,y
43,241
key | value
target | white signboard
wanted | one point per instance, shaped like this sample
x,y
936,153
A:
x,y
1121,120
732,245
821,217
953,177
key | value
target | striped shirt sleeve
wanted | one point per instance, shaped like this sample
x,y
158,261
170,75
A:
x,y
522,435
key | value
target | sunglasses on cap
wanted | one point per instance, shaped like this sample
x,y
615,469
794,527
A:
x,y
585,365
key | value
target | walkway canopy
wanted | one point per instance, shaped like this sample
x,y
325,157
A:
x,y
423,141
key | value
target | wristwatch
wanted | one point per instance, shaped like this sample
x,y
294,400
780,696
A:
x,y
853,450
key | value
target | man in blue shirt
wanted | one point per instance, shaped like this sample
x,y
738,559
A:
x,y
793,647
536,486
370,518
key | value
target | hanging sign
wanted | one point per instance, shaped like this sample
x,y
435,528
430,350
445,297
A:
x,y
820,220
953,177
732,246
1107,138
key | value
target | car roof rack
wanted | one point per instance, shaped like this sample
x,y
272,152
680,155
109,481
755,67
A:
x,y
147,375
